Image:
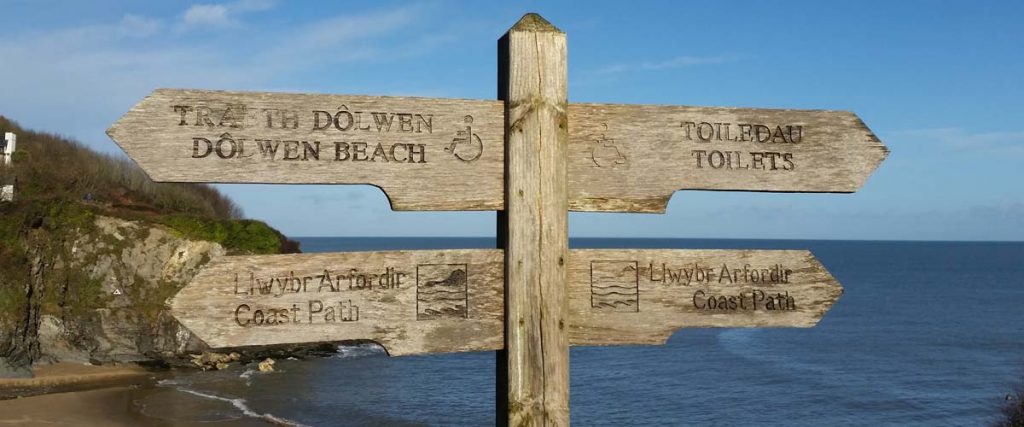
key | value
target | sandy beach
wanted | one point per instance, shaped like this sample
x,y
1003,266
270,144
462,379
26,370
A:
x,y
71,394
103,407
66,377
126,395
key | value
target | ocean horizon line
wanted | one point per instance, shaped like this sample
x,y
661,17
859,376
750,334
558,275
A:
x,y
672,238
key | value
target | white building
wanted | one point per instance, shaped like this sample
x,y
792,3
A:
x,y
6,152
7,148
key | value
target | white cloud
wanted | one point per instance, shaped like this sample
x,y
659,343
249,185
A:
x,y
207,14
335,35
222,14
92,74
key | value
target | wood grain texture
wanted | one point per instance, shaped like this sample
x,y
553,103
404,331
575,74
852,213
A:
x,y
625,158
457,170
610,302
631,158
410,302
536,139
642,296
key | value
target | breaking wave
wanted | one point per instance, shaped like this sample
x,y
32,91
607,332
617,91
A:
x,y
241,405
359,350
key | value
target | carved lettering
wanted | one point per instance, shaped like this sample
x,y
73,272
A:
x,y
348,120
183,110
383,153
289,119
745,132
291,150
324,117
242,116
235,147
268,148
353,279
382,121
316,312
615,285
317,309
753,300
233,116
739,160
203,116
195,148
248,316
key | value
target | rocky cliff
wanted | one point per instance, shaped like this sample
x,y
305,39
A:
x,y
91,248
95,292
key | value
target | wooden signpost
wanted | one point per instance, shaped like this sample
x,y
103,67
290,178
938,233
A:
x,y
531,156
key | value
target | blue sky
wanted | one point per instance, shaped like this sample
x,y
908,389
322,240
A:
x,y
940,82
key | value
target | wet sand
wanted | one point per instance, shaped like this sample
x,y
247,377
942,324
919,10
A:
x,y
126,395
104,407
122,406
65,377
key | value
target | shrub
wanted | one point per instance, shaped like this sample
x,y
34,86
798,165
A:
x,y
48,166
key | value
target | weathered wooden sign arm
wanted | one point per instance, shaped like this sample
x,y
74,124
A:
x,y
424,153
447,154
642,296
632,158
410,302
440,301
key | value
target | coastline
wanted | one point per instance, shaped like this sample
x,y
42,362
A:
x,y
69,377
86,395
68,394
124,406
101,407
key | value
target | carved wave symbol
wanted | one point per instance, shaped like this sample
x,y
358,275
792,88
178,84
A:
x,y
456,311
437,291
456,279
613,304
444,298
432,299
626,294
596,286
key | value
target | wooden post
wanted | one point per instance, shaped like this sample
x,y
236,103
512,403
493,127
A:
x,y
533,83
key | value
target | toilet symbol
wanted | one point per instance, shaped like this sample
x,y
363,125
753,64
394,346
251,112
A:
x,y
605,153
467,145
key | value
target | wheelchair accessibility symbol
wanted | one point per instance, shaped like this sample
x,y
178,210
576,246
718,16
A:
x,y
467,145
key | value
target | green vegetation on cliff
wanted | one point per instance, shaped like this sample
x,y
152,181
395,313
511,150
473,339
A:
x,y
62,188
56,175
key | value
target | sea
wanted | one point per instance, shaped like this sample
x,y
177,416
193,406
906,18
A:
x,y
925,334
